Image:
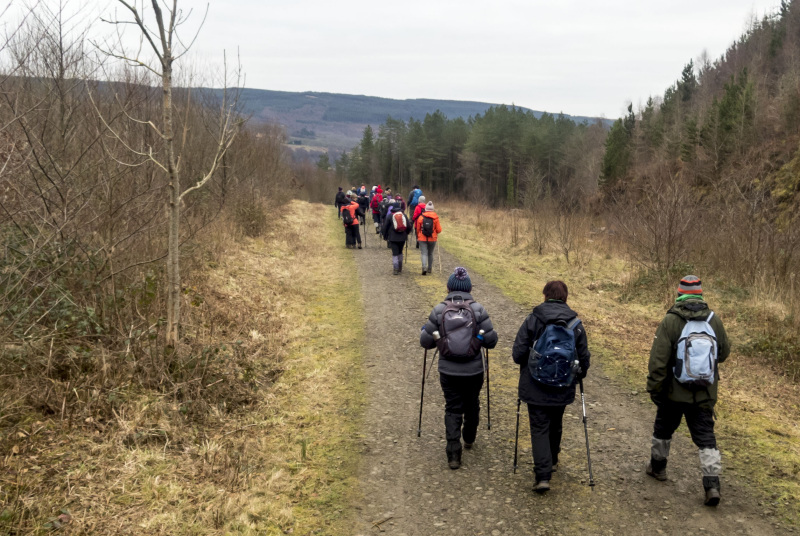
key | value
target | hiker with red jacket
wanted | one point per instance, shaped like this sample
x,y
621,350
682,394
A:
x,y
395,230
428,229
454,327
419,208
547,399
351,213
375,205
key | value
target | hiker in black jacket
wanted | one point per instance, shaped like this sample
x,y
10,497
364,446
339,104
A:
x,y
461,378
546,403
341,200
395,230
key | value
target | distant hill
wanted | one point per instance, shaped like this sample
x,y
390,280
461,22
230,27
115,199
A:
x,y
336,121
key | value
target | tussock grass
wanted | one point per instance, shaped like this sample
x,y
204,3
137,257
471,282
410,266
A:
x,y
260,443
758,408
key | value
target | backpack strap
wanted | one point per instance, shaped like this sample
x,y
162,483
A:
x,y
710,316
573,323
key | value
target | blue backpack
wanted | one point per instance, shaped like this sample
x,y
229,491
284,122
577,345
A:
x,y
415,197
553,359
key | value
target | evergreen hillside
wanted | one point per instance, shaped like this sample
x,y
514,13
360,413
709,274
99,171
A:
x,y
336,121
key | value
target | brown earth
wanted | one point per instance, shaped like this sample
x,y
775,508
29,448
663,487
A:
x,y
407,488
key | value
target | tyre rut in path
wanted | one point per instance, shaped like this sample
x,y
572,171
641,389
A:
x,y
407,488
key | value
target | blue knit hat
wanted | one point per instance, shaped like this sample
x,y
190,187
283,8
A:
x,y
459,281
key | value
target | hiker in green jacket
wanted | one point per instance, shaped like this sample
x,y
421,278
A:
x,y
682,382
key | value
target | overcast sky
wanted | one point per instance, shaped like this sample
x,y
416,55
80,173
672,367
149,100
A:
x,y
584,57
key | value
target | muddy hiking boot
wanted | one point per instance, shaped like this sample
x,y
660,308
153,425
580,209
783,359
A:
x,y
541,486
468,446
711,485
454,460
657,469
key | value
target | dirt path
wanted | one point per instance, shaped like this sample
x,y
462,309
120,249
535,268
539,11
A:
x,y
405,480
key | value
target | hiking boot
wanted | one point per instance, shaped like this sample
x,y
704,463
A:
x,y
711,485
555,468
395,271
712,497
359,246
424,272
658,474
468,445
454,460
541,486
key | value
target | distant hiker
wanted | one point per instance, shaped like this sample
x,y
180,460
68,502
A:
x,y
413,199
340,201
363,190
689,344
384,206
395,230
547,378
363,204
454,327
419,209
351,214
428,229
400,202
375,205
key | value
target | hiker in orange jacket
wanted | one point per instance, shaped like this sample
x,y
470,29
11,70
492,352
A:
x,y
352,233
428,228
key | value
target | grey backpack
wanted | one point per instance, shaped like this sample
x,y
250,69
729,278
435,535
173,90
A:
x,y
459,331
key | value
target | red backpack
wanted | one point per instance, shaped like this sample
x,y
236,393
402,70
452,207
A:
x,y
399,222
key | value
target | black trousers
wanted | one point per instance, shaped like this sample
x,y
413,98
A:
x,y
546,428
397,247
699,420
461,407
352,235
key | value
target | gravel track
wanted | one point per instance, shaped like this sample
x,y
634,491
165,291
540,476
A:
x,y
407,488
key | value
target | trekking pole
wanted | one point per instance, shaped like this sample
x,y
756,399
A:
x,y
422,394
485,359
516,438
586,432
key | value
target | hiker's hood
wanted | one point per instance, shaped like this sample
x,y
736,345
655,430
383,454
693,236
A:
x,y
690,309
553,311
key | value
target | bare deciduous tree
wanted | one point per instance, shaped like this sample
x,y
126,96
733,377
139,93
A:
x,y
164,42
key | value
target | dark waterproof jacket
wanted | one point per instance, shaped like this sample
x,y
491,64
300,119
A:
x,y
530,391
388,231
340,199
363,203
475,365
661,382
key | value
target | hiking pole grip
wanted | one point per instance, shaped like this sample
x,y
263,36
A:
x,y
422,394
586,433
516,437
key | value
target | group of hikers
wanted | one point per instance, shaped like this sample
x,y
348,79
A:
x,y
393,223
552,351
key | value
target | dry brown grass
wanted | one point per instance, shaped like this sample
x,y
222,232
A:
x,y
242,445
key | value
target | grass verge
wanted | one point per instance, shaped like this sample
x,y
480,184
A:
x,y
266,319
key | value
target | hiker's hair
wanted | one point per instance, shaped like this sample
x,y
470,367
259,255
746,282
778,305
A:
x,y
555,290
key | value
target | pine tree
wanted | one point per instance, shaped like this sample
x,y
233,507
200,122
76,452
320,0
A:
x,y
324,162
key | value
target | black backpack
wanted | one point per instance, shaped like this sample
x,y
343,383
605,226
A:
x,y
459,332
427,225
347,216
